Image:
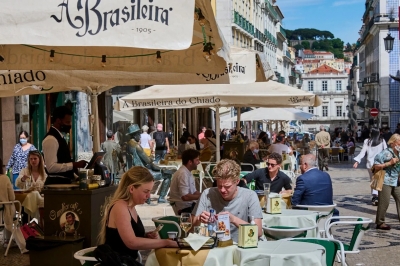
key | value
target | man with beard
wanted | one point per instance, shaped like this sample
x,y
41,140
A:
x,y
57,157
137,157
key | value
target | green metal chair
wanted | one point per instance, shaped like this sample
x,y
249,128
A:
x,y
332,247
171,224
281,232
361,224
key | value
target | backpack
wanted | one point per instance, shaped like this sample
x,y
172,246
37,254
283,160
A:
x,y
159,138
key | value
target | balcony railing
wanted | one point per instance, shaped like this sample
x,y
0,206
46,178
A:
x,y
283,31
272,10
288,54
243,23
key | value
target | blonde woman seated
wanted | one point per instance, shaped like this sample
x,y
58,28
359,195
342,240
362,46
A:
x,y
34,173
121,227
34,176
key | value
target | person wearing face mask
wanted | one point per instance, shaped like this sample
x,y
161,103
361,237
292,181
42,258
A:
x,y
251,156
57,157
19,156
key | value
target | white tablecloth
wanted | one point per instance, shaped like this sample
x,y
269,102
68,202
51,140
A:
x,y
274,253
281,253
295,218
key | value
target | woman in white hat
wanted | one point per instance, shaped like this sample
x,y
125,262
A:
x,y
145,141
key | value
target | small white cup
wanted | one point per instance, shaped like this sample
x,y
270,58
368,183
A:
x,y
172,235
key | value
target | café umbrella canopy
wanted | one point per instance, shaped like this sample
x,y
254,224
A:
x,y
258,94
50,35
263,113
121,35
247,67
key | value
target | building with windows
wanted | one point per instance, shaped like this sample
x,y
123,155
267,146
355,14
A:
x,y
331,85
370,79
257,25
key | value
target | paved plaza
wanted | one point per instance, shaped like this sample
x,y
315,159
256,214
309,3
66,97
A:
x,y
352,195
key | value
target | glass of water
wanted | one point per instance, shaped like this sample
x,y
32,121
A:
x,y
267,187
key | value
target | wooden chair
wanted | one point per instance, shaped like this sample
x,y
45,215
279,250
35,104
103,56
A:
x,y
335,154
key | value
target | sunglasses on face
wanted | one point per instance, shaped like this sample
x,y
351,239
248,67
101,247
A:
x,y
271,164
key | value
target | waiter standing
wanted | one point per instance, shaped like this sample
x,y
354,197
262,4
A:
x,y
57,156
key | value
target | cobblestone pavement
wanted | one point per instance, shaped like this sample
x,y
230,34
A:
x,y
352,195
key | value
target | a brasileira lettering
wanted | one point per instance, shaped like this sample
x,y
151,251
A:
x,y
234,68
17,77
169,103
95,20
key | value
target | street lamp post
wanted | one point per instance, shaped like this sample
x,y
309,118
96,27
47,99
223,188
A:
x,y
353,97
388,41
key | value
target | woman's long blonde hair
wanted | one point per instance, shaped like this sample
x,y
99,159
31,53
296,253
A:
x,y
41,170
136,176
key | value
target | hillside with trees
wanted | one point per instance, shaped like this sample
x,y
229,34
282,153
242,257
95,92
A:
x,y
321,41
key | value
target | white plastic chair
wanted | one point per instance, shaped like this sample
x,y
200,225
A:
x,y
208,171
79,255
16,221
325,212
361,224
291,175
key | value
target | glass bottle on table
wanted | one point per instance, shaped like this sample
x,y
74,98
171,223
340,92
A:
x,y
212,223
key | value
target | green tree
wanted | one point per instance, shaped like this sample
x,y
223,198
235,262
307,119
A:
x,y
306,44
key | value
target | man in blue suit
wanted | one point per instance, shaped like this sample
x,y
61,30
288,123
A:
x,y
313,187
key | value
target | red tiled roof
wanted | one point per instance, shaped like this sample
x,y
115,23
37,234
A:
x,y
324,69
308,52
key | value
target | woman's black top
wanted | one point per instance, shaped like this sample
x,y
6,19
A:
x,y
114,240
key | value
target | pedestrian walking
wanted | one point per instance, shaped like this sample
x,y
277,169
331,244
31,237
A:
x,y
146,141
372,146
113,155
388,160
162,144
323,141
19,156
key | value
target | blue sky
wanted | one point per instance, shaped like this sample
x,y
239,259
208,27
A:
x,y
341,17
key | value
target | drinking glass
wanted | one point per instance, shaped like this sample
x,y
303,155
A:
x,y
267,187
186,222
28,184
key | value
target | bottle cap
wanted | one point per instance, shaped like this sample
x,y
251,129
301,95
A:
x,y
212,211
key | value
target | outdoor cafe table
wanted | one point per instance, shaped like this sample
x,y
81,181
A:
x,y
274,253
294,218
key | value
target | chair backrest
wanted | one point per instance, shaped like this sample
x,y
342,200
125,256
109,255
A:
x,y
335,152
248,167
209,169
352,150
358,233
361,225
331,247
171,224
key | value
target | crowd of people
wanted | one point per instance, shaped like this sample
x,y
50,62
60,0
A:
x,y
122,228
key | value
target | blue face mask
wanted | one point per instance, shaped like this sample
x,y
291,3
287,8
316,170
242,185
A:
x,y
256,150
23,141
